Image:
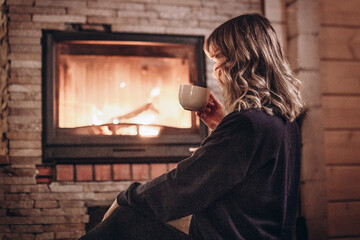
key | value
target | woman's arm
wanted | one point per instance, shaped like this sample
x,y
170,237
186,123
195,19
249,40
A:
x,y
212,115
198,181
113,206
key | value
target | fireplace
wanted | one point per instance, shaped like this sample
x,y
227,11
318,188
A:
x,y
113,97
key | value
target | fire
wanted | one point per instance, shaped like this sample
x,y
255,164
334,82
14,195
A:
x,y
105,130
131,131
112,95
96,116
155,92
122,84
143,119
147,131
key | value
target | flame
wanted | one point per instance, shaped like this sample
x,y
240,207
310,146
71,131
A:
x,y
155,92
131,130
123,84
147,131
144,119
96,115
123,88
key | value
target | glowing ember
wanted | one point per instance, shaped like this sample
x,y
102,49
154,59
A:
x,y
143,119
131,131
105,130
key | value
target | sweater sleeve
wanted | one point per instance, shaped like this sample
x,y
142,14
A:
x,y
218,165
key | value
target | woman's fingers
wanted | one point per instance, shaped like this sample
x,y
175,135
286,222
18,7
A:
x,y
211,101
202,114
207,109
214,100
213,113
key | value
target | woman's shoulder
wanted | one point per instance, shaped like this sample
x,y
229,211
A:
x,y
253,115
256,119
253,124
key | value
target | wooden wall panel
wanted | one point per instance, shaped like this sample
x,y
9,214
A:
x,y
343,183
341,112
342,147
344,219
340,12
339,43
339,49
340,77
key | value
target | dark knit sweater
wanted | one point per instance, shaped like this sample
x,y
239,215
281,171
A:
x,y
242,183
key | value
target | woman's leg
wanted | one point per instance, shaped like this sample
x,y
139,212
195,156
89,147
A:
x,y
127,224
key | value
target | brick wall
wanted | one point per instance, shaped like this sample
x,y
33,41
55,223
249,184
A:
x,y
4,75
41,202
103,172
340,74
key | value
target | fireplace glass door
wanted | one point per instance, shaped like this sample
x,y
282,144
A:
x,y
118,91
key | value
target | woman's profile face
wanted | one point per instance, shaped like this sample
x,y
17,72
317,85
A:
x,y
219,60
218,68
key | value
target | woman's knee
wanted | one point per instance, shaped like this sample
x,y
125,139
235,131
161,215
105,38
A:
x,y
124,212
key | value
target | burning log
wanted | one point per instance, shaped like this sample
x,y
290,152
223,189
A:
x,y
136,112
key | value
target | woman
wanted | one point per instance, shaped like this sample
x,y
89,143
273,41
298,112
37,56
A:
x,y
243,181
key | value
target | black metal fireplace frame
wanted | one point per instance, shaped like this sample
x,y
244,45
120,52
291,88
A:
x,y
60,148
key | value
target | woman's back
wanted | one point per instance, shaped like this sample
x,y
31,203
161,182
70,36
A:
x,y
263,204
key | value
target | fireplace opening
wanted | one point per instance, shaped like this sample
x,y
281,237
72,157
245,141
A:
x,y
114,97
96,215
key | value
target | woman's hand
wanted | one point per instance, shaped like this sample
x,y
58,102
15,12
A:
x,y
113,206
213,113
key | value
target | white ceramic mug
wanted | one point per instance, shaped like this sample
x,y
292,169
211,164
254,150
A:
x,y
193,98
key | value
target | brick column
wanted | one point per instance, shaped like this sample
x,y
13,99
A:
x,y
4,75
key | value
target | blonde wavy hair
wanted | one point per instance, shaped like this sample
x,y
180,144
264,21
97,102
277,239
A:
x,y
251,68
